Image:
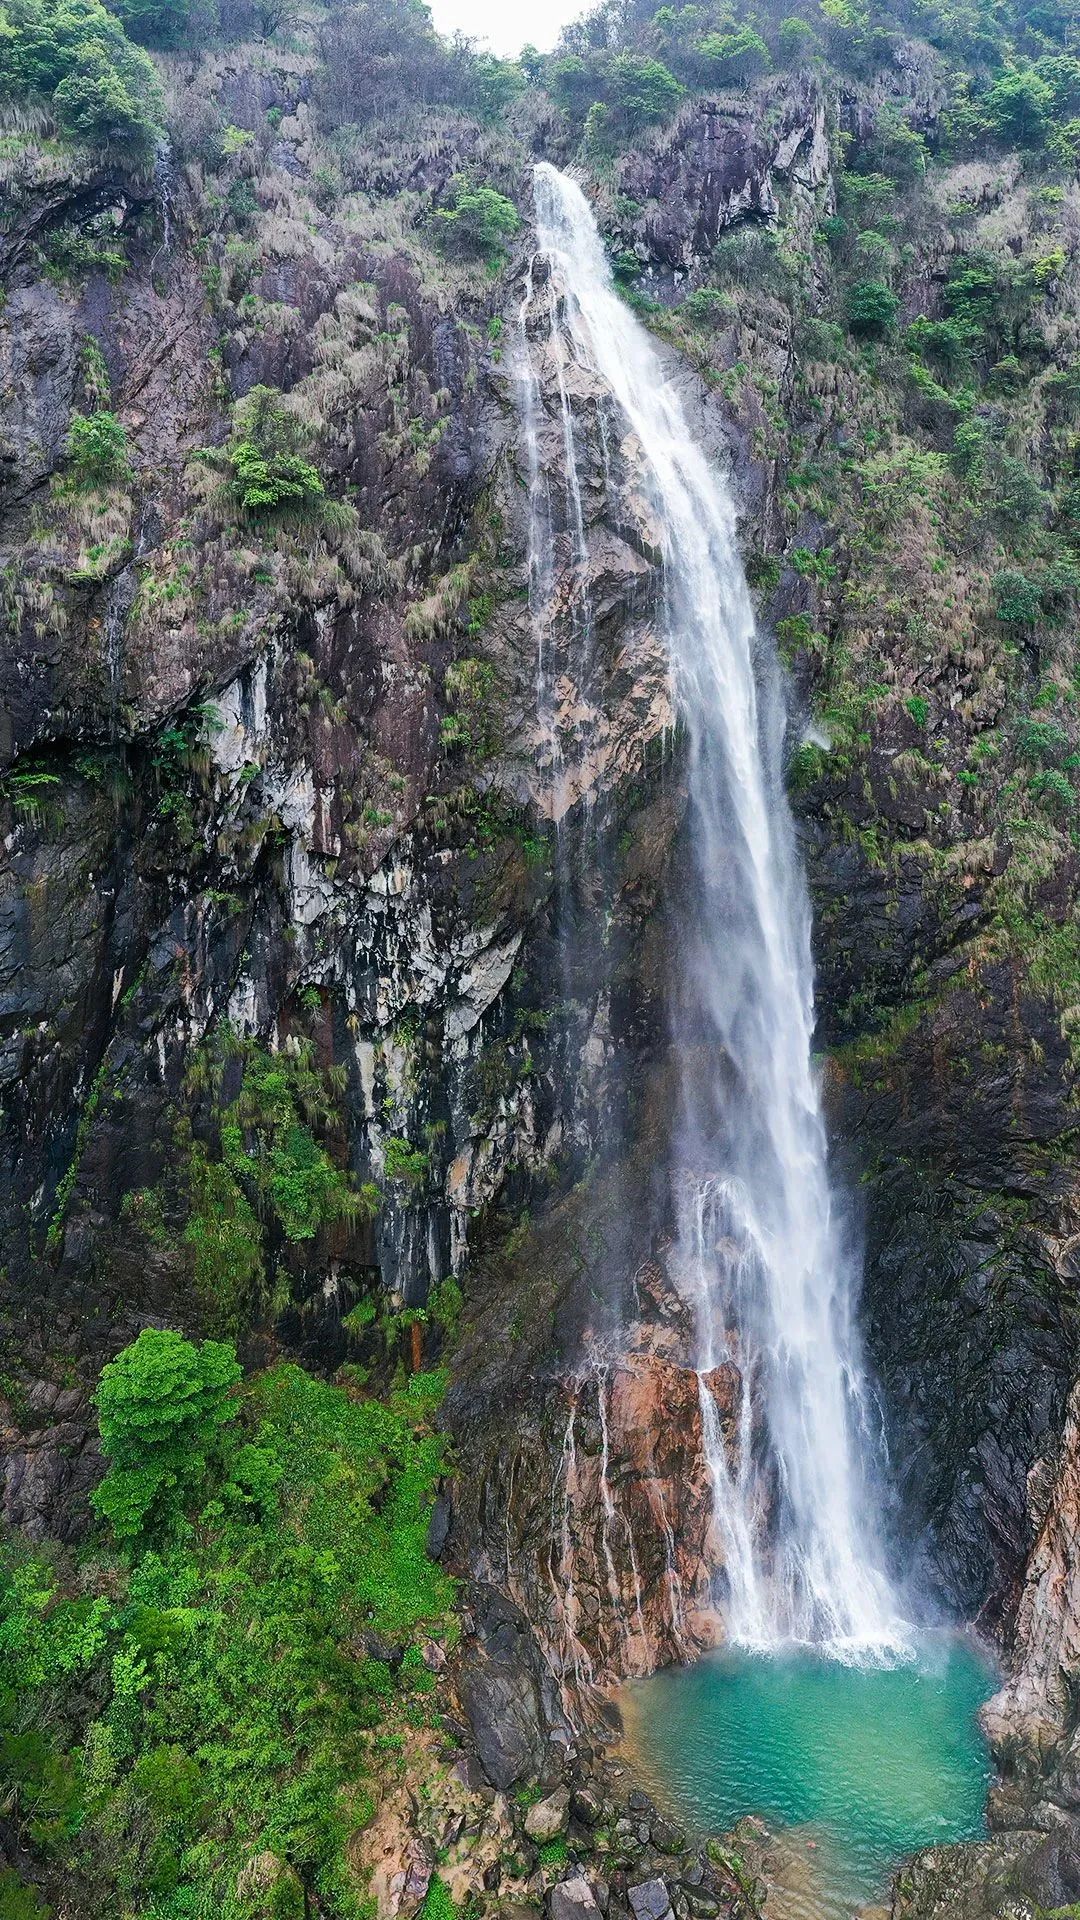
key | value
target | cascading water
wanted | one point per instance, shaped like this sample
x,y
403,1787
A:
x,y
758,1248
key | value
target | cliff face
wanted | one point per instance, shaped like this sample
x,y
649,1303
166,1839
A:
x,y
285,781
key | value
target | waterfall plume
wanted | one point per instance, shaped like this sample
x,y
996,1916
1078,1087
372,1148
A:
x,y
758,1252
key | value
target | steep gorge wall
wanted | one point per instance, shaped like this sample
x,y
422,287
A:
x,y
315,855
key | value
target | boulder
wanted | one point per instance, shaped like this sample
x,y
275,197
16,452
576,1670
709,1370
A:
x,y
268,1888
573,1900
586,1806
548,1818
666,1837
649,1900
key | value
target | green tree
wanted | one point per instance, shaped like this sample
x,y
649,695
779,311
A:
x,y
479,220
75,55
573,82
641,91
1017,600
1019,107
733,59
268,473
163,1406
943,344
1061,73
156,23
497,83
97,449
872,308
796,40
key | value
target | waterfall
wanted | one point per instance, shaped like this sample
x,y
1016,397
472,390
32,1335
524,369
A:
x,y
758,1249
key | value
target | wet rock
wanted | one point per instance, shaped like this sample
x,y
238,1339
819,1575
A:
x,y
504,1716
666,1837
649,1900
506,1691
1033,1711
438,1526
968,1882
572,1900
586,1806
548,1818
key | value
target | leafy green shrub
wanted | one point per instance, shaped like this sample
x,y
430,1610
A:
x,y
732,59
162,1406
813,566
1054,789
97,450
156,23
867,199
1017,600
918,708
806,766
19,1901
75,55
945,344
969,450
71,251
263,1168
268,475
479,221
641,91
871,308
1018,107
405,1163
217,1705
1017,502
899,152
977,294
796,40
470,724
438,1902
223,1237
707,307
1039,741
572,82
29,786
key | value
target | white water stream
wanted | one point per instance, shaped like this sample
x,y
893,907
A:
x,y
759,1251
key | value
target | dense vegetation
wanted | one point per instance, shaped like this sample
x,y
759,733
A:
x,y
189,1707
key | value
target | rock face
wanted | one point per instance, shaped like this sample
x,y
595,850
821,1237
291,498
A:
x,y
612,1550
1031,1721
720,165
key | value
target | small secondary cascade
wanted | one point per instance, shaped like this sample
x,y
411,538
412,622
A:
x,y
758,1251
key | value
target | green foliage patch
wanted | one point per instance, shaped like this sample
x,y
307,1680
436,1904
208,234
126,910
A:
x,y
162,1407
257,1166
480,221
269,477
75,55
97,450
178,1728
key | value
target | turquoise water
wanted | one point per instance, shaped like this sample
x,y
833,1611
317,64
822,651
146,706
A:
x,y
859,1765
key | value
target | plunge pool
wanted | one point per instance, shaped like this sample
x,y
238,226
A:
x,y
856,1766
